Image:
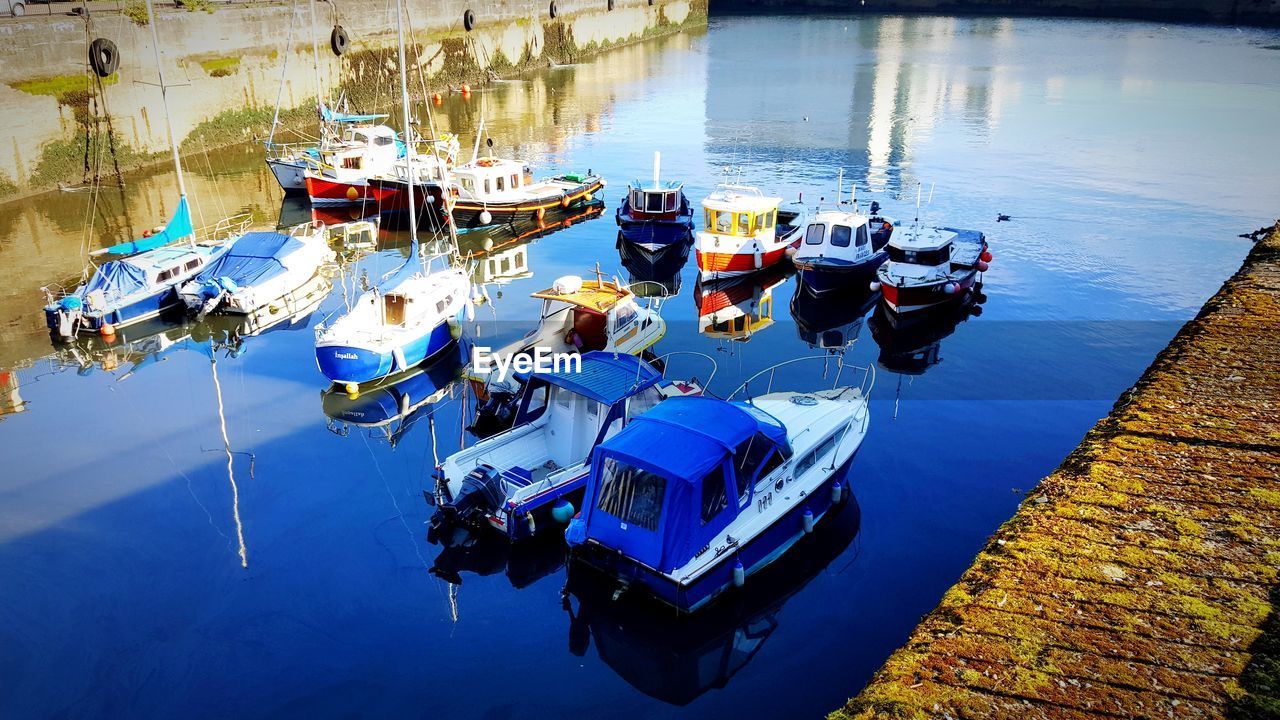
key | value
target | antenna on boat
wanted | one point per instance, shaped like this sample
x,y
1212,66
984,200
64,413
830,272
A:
x,y
408,135
839,186
315,55
930,201
475,150
657,163
916,222
164,101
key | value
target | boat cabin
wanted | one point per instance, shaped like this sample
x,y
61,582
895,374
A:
x,y
663,489
930,247
655,201
363,150
837,236
588,315
740,211
491,177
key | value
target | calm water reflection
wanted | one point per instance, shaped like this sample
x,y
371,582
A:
x,y
156,567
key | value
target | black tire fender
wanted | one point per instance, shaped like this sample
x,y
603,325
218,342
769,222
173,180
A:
x,y
468,20
104,57
339,40
553,11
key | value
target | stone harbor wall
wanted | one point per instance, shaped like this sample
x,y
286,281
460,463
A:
x,y
225,62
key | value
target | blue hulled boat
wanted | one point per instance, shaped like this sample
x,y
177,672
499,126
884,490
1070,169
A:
x,y
657,214
842,247
698,494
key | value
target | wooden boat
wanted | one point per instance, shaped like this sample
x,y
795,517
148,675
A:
x,y
491,190
656,214
698,494
745,231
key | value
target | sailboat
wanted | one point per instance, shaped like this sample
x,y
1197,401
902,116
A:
x,y
403,320
141,281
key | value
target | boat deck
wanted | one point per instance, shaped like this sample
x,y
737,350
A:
x,y
1142,578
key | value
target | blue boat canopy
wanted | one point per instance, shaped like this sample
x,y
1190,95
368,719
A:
x,y
664,487
252,258
115,279
606,377
330,116
179,227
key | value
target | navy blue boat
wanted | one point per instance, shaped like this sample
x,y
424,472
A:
x,y
842,247
655,215
698,494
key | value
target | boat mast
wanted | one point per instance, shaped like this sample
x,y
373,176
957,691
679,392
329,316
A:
x,y
315,55
408,135
168,121
657,162
288,47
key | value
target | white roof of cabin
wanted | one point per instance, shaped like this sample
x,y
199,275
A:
x,y
739,198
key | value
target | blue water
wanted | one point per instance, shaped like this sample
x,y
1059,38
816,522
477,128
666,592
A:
x,y
1129,156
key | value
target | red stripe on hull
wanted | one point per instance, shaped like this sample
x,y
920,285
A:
x,y
736,263
918,297
331,192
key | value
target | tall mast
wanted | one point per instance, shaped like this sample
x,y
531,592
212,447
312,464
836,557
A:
x,y
408,134
164,100
315,55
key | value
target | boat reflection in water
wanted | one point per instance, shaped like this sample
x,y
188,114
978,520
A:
x,y
677,658
910,344
653,273
738,308
466,552
389,408
832,320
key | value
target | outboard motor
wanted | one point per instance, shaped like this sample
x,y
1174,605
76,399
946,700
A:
x,y
495,414
480,495
64,316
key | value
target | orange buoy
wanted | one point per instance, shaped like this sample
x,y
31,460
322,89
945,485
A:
x,y
466,89
436,99
107,330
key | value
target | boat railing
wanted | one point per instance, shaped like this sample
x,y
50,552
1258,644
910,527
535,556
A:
x,y
864,386
225,229
663,359
741,189
287,151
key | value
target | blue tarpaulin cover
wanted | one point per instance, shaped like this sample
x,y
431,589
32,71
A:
x,y
252,258
606,377
683,440
116,279
179,227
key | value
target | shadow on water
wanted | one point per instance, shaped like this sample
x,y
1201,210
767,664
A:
x,y
676,658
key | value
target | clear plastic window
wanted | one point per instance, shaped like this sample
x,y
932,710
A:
x,y
714,497
813,236
630,494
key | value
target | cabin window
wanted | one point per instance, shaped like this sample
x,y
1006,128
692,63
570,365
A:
x,y
469,185
506,265
760,221
813,236
382,141
520,259
812,457
564,400
515,181
755,456
637,202
630,494
486,186
643,401
840,235
653,202
625,316
192,264
162,276
673,202
714,496
773,218
723,221
501,181
864,237
351,163
920,257
744,223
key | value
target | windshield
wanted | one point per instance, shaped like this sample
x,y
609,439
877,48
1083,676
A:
x,y
631,494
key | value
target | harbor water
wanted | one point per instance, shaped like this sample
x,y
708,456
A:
x,y
193,524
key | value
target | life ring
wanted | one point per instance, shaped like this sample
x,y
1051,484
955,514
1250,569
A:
x,y
339,40
468,19
552,11
104,57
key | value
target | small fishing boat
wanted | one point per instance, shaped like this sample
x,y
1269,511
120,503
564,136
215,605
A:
x,y
655,215
406,318
738,308
930,267
842,246
745,231
529,476
698,494
259,270
491,190
141,283
342,135
579,316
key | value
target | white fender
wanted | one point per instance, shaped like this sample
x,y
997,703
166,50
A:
x,y
397,358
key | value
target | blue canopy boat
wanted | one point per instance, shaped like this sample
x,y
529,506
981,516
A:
x,y
141,284
655,215
698,494
259,271
514,480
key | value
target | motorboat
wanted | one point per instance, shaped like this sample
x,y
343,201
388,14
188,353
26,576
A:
x,y
657,214
698,494
530,476
931,266
259,270
492,190
745,231
842,246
